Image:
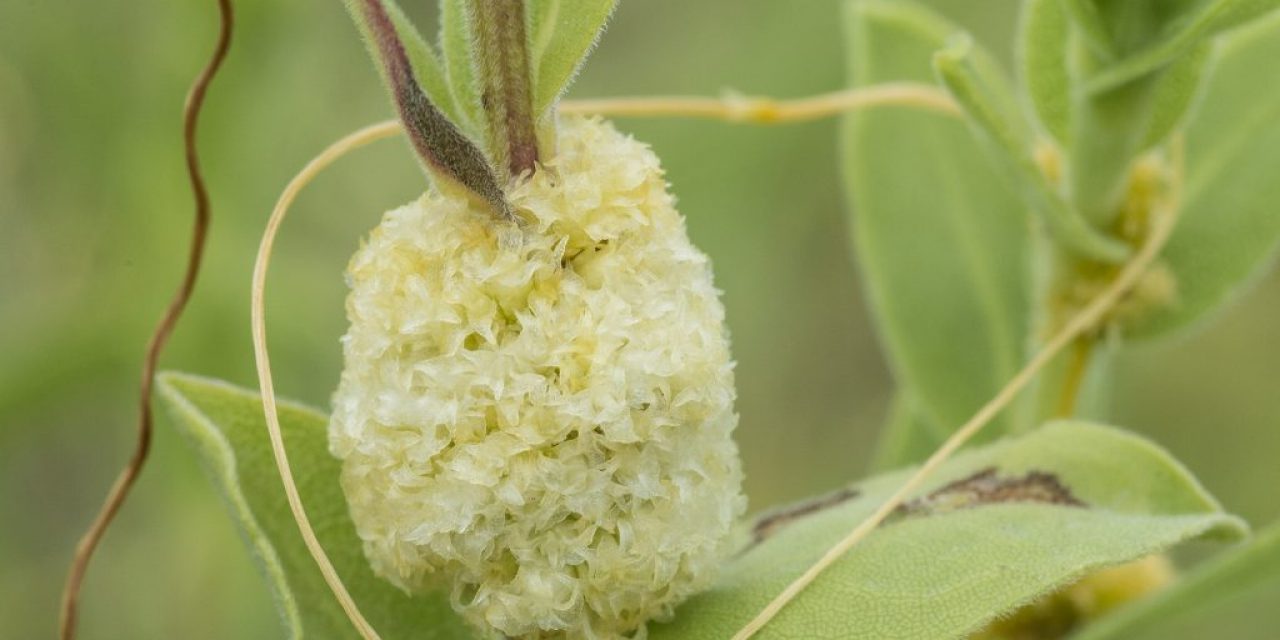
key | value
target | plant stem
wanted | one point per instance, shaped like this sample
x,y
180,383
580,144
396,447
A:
x,y
763,110
500,50
1077,369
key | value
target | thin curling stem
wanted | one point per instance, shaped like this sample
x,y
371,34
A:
x,y
1087,319
69,607
262,360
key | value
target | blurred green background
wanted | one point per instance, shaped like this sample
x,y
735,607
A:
x,y
95,215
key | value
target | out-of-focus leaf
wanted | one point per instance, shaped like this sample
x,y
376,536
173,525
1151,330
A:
x,y
1075,497
988,107
1230,223
1175,95
941,240
1042,65
1202,598
562,33
907,436
1122,106
226,427
1185,34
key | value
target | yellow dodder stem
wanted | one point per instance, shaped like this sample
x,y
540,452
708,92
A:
x,y
760,110
328,156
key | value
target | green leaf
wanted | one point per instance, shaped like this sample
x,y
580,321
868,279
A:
x,y
1175,94
445,151
1042,66
968,562
226,427
951,564
942,242
426,64
1120,108
1230,224
1091,24
455,44
562,33
907,437
1042,52
1201,600
1184,34
977,87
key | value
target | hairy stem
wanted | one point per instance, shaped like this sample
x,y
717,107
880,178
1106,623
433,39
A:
x,y
506,86
128,476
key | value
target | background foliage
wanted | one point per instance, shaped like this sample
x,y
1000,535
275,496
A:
x,y
93,221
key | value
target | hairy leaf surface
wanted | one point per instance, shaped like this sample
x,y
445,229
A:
x,y
561,34
1230,223
1042,64
1204,603
1076,497
225,424
996,526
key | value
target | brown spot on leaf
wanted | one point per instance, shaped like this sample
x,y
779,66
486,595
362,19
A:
x,y
770,523
988,487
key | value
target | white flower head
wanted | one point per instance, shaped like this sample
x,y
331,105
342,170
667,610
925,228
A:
x,y
539,419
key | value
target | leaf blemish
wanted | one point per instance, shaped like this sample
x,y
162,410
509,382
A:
x,y
771,523
986,487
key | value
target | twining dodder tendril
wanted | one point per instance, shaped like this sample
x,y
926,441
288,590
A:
x,y
125,481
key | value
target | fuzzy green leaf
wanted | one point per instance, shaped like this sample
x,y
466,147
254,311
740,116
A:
x,y
1201,604
1042,67
1042,64
907,436
427,67
455,45
989,110
445,151
942,242
1184,34
225,425
561,34
967,564
943,572
1175,94
1230,225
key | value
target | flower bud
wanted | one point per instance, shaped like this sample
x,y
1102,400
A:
x,y
538,418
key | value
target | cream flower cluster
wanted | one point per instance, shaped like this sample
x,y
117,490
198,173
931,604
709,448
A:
x,y
538,419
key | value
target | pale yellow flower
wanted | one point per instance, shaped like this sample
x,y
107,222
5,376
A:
x,y
539,418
